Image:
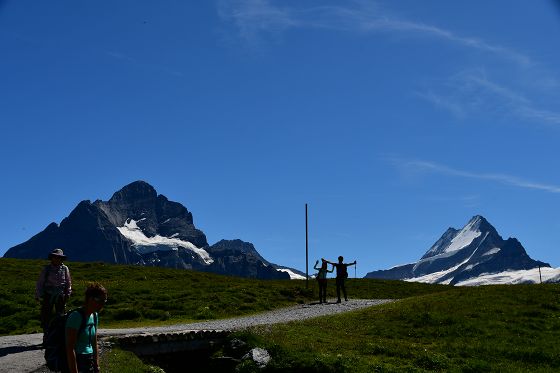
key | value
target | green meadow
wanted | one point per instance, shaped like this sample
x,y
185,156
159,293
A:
x,y
431,328
140,296
475,329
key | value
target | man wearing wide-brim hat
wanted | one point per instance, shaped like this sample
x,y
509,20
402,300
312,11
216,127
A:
x,y
54,287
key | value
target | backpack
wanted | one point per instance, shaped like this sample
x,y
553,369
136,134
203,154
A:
x,y
55,340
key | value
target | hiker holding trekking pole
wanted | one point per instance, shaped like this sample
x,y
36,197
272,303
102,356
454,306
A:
x,y
341,276
53,287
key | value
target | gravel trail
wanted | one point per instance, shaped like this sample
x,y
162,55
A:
x,y
22,353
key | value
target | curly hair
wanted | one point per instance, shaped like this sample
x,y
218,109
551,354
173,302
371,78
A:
x,y
95,290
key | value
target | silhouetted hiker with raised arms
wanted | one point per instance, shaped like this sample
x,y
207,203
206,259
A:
x,y
341,276
322,280
53,287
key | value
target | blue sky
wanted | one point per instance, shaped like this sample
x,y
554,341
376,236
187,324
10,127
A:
x,y
393,120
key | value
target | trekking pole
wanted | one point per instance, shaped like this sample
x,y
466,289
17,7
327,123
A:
x,y
355,270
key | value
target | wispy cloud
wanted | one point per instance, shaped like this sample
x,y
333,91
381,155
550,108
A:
x,y
424,166
474,91
255,17
444,103
415,29
460,95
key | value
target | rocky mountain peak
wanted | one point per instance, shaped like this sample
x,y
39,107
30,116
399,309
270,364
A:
x,y
133,192
479,224
459,255
138,226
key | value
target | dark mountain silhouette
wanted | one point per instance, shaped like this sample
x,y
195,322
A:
x,y
138,226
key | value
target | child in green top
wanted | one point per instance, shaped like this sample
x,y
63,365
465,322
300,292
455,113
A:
x,y
81,348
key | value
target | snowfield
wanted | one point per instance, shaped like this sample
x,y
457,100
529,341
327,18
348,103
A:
x,y
146,245
530,276
293,275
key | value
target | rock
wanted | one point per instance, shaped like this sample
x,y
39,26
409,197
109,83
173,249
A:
x,y
260,356
236,348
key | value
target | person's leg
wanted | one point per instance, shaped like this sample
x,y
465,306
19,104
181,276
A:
x,y
59,305
343,285
85,363
323,291
46,308
338,282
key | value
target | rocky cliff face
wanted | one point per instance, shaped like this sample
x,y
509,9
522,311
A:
x,y
464,254
138,226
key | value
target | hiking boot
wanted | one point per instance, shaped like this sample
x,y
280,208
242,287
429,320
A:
x,y
338,301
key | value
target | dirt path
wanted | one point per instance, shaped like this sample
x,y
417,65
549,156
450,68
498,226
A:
x,y
22,353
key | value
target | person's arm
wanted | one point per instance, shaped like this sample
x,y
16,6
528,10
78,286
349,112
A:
x,y
68,288
332,270
315,266
71,338
328,261
40,284
95,354
351,264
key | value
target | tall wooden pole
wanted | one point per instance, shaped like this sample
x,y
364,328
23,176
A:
x,y
306,251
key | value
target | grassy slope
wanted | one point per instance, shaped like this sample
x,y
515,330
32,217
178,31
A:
x,y
492,328
433,328
157,296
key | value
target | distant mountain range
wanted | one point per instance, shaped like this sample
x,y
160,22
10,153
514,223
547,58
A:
x,y
473,255
138,226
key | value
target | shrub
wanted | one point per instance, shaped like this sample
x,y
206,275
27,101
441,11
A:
x,y
126,314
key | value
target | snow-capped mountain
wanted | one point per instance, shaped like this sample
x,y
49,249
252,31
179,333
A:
x,y
475,254
138,226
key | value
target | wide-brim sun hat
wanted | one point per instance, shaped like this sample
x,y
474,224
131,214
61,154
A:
x,y
58,253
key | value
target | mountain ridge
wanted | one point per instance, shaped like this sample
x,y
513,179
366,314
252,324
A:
x,y
139,226
461,255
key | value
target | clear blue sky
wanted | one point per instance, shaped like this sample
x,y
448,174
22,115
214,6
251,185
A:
x,y
393,120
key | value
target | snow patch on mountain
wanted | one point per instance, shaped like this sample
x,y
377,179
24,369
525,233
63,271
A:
x,y
146,245
463,239
492,251
293,275
529,276
434,277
